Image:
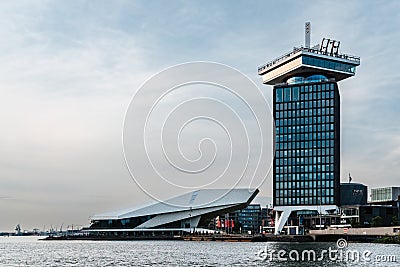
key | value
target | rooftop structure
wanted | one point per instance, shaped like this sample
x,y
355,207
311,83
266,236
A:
x,y
303,61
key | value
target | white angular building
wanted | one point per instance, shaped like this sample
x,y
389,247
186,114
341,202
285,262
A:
x,y
189,212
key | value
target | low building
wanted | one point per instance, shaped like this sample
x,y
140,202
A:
x,y
249,218
385,194
368,215
190,212
267,216
353,194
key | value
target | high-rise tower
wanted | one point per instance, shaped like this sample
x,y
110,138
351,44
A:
x,y
306,108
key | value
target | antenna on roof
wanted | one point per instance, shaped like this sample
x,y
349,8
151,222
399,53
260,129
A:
x,y
307,34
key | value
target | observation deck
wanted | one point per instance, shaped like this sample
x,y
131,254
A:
x,y
304,61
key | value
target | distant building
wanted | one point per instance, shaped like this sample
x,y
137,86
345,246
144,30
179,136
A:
x,y
385,194
267,216
363,216
306,110
353,194
251,219
379,212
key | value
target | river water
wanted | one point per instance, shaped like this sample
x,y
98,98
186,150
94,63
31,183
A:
x,y
29,251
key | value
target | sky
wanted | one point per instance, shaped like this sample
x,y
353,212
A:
x,y
69,70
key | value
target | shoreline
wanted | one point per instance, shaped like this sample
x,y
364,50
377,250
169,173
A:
x,y
235,238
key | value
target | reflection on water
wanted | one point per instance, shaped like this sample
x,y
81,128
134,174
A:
x,y
28,251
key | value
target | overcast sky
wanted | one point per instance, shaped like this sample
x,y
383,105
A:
x,y
68,71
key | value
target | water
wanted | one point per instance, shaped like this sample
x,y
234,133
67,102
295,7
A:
x,y
28,251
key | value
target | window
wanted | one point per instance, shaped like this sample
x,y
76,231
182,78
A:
x,y
279,95
287,96
295,92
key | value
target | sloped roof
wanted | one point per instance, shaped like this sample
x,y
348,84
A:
x,y
199,199
180,215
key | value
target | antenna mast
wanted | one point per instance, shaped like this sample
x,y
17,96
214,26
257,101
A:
x,y
307,34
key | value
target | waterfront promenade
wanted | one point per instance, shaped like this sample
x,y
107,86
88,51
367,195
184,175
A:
x,y
374,231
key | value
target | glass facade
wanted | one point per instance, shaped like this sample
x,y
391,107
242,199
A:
x,y
329,64
249,219
307,157
385,194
